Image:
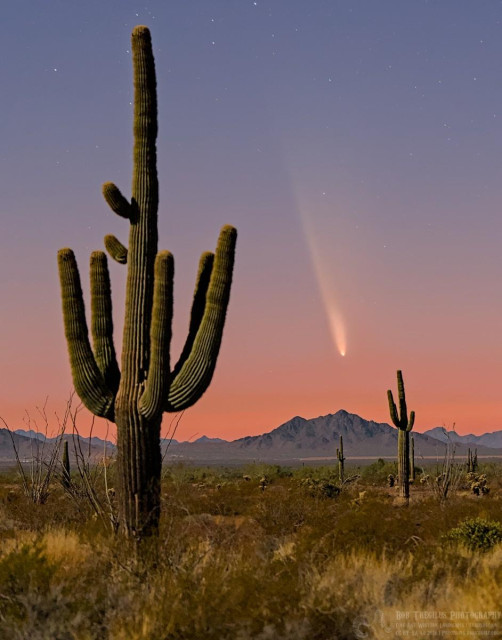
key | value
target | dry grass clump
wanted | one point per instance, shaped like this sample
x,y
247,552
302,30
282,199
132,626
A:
x,y
364,595
235,562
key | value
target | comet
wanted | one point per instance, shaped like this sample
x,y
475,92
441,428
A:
x,y
311,210
325,282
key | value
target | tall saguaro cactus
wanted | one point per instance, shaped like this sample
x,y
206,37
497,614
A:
x,y
136,397
404,426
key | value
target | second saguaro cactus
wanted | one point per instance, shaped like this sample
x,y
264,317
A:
x,y
341,461
136,397
404,425
472,461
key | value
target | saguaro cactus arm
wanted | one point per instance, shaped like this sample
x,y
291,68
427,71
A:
x,y
116,249
116,201
400,421
403,410
151,402
102,321
198,305
89,382
196,372
393,409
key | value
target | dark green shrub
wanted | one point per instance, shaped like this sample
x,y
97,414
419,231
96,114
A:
x,y
379,471
477,534
320,487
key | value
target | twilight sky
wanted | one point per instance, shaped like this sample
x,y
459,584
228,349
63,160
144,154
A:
x,y
357,147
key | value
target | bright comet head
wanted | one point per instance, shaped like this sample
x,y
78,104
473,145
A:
x,y
336,324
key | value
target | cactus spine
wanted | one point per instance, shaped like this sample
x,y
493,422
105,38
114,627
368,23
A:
x,y
65,462
136,397
404,426
341,461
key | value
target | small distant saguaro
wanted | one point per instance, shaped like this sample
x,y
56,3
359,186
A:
x,y
136,397
472,461
341,461
404,426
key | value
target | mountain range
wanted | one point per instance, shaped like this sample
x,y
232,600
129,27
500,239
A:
x,y
297,439
493,439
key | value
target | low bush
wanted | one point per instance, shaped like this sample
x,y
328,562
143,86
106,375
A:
x,y
477,534
378,472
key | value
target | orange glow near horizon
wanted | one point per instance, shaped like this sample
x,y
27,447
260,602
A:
x,y
218,415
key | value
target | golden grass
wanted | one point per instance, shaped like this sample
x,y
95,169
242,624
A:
x,y
235,563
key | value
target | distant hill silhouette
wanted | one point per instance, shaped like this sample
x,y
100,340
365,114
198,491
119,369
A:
x,y
298,439
32,444
493,439
319,437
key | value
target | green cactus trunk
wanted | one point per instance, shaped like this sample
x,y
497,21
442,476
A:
x,y
139,463
136,397
138,439
412,460
403,463
404,426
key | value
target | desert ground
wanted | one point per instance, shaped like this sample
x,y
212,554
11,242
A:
x,y
256,551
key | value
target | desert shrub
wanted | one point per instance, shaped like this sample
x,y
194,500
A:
x,y
280,512
477,534
271,471
324,483
379,471
50,589
320,487
322,471
24,569
59,509
180,473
